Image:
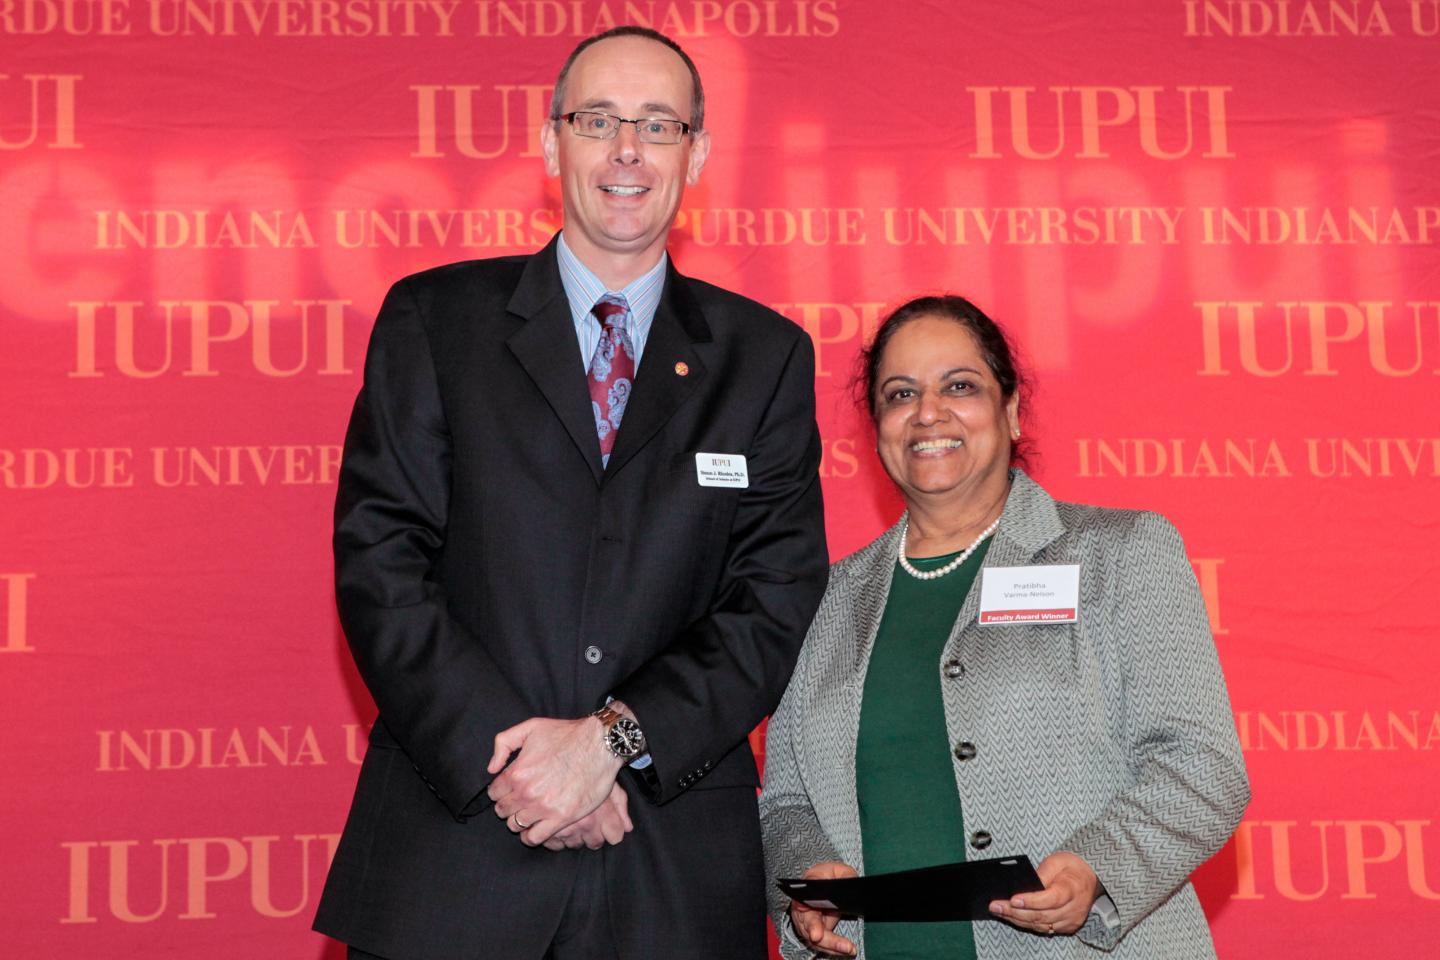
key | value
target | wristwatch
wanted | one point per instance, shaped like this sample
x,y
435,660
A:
x,y
622,736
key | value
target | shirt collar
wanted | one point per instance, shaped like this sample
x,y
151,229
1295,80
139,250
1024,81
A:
x,y
583,289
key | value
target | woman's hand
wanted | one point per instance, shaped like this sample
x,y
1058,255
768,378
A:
x,y
816,928
1071,888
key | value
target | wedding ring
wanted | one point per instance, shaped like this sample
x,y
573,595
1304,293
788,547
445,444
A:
x,y
520,823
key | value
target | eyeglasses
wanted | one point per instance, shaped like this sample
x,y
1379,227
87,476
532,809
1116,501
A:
x,y
604,126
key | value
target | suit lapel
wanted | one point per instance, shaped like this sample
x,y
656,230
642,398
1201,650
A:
x,y
545,346
833,724
660,389
1003,552
1029,524
871,595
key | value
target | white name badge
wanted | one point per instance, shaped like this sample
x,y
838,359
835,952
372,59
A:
x,y
721,470
1030,594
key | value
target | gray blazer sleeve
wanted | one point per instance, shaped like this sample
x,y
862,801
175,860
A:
x,y
1190,786
793,838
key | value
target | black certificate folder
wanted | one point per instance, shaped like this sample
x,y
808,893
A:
x,y
954,891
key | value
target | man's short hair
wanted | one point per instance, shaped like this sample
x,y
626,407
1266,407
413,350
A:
x,y
697,96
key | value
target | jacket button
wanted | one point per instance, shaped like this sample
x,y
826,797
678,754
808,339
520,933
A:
x,y
980,839
953,669
593,654
965,750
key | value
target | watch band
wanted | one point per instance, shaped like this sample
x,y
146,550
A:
x,y
607,715
621,736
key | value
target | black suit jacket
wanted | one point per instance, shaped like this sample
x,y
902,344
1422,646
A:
x,y
488,570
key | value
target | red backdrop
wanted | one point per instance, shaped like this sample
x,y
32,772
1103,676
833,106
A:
x,y
1212,226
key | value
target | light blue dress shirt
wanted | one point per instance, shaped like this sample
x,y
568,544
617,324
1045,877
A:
x,y
583,289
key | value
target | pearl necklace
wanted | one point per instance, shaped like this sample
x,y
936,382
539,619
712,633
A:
x,y
950,567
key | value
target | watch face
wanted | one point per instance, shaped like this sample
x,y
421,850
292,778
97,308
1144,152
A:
x,y
625,739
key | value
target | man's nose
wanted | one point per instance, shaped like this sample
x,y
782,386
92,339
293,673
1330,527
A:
x,y
626,148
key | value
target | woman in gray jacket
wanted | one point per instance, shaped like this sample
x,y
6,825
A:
x,y
923,726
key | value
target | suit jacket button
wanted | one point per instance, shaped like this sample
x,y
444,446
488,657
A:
x,y
593,654
953,669
980,839
965,750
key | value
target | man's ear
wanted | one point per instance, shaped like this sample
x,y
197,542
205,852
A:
x,y
550,147
699,153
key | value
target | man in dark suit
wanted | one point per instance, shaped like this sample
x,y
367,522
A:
x,y
578,542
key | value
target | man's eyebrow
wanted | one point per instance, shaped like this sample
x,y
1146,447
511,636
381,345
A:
x,y
646,109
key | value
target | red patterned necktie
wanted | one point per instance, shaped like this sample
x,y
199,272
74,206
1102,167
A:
x,y
612,371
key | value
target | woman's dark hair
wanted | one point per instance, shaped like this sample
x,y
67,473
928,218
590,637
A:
x,y
995,348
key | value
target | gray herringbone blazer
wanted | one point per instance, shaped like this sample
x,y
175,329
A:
x,y
1111,738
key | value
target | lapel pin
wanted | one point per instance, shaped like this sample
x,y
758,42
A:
x,y
682,369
